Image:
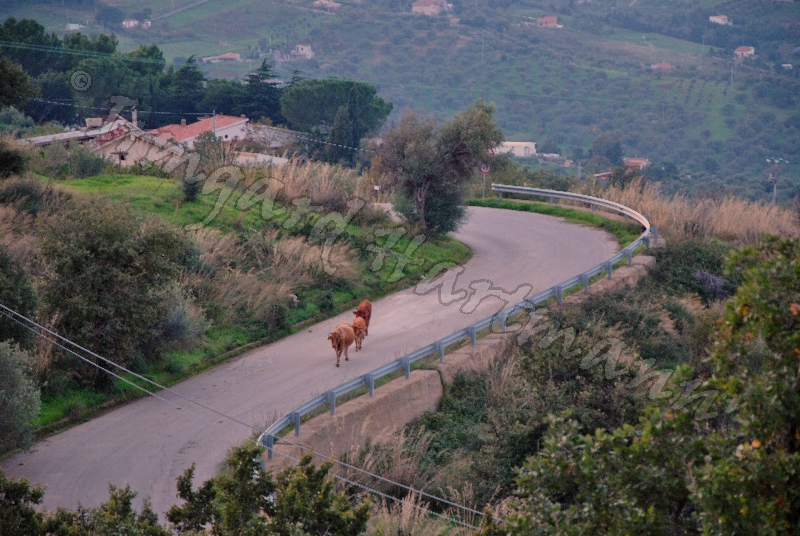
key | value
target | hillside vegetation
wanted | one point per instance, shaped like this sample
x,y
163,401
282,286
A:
x,y
715,120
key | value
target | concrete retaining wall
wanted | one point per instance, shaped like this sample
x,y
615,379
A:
x,y
401,401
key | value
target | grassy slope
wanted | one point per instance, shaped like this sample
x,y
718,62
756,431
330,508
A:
x,y
152,195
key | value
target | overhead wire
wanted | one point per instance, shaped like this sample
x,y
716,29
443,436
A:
x,y
6,310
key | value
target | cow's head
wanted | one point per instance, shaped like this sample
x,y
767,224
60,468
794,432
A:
x,y
334,337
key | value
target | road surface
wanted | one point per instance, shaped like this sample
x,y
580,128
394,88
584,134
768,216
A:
x,y
150,442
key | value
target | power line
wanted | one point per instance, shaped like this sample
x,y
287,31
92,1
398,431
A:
x,y
7,310
87,53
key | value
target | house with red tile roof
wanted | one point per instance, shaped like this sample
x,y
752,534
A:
x,y
744,52
635,163
547,22
227,127
661,67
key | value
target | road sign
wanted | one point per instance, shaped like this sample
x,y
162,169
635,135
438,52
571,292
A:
x,y
485,168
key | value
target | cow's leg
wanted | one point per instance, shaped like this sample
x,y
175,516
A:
x,y
346,358
338,354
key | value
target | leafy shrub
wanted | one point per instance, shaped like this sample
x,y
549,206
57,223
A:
x,y
17,293
19,397
26,194
325,301
12,160
84,163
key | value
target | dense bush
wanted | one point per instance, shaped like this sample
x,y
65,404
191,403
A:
x,y
16,293
19,397
113,276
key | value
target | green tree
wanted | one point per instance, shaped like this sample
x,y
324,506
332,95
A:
x,y
607,145
19,397
262,95
29,37
674,473
110,16
115,516
12,160
15,85
313,104
18,501
187,88
112,276
424,158
749,483
224,96
244,500
17,293
344,132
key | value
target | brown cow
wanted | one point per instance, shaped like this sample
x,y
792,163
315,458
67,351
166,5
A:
x,y
341,338
360,329
364,311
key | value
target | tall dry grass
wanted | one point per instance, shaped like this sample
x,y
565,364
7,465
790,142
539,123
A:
x,y
401,458
677,216
261,270
327,186
407,518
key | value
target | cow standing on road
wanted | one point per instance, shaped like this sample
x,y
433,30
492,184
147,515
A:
x,y
341,338
360,329
364,311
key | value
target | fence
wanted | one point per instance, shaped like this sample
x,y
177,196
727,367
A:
x,y
368,380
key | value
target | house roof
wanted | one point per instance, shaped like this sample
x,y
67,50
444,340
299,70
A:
x,y
547,19
636,162
422,3
188,132
744,49
662,66
229,56
110,123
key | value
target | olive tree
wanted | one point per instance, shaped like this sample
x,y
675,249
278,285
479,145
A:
x,y
429,163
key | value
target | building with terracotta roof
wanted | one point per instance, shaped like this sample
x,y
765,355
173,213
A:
x,y
661,67
744,52
547,22
227,127
720,19
330,4
635,163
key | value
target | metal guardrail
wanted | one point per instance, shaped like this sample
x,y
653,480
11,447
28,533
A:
x,y
270,435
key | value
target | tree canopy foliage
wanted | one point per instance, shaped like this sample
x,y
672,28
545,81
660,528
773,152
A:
x,y
312,105
675,473
429,163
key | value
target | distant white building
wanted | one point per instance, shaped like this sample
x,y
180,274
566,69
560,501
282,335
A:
x,y
130,23
430,7
329,4
74,27
720,19
303,51
520,149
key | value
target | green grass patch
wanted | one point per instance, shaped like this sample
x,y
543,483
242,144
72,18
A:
x,y
624,232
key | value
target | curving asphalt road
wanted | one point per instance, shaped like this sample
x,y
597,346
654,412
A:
x,y
150,442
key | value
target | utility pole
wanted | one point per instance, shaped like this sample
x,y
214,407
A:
x,y
774,180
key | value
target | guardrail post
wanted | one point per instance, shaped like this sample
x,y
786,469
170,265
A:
x,y
473,335
609,267
369,379
585,280
407,366
594,207
629,255
625,217
296,421
440,348
557,291
269,445
332,401
550,199
646,241
500,194
654,232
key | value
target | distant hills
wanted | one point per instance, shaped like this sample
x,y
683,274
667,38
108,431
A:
x,y
716,119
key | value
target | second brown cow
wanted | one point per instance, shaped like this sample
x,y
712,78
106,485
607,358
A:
x,y
360,329
364,311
